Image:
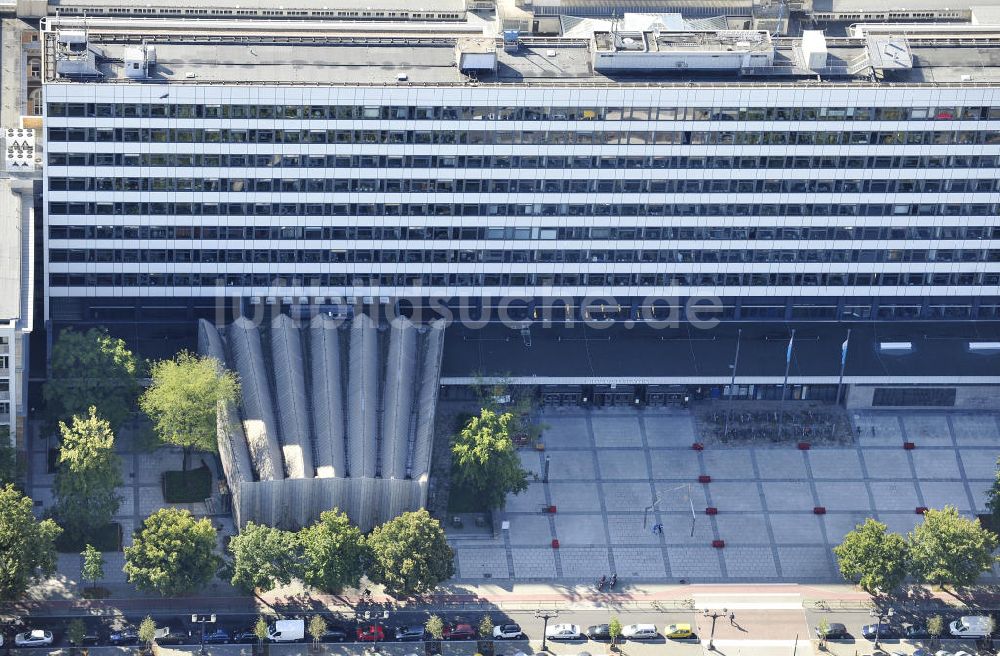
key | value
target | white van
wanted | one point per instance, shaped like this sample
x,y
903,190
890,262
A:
x,y
972,626
639,632
287,631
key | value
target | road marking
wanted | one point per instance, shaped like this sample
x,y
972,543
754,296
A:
x,y
757,643
748,605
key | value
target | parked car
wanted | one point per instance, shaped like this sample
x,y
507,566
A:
x,y
971,626
963,653
334,633
916,632
33,638
507,632
460,631
245,636
943,652
676,631
599,632
883,630
410,633
165,636
370,633
127,635
639,631
834,631
216,636
563,632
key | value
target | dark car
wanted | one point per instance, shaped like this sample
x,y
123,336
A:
x,y
410,633
883,630
125,636
216,636
246,636
599,632
459,632
917,632
172,637
835,631
334,634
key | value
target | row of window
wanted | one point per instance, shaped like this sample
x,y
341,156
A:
x,y
593,255
534,185
525,137
511,113
471,233
277,160
417,280
523,209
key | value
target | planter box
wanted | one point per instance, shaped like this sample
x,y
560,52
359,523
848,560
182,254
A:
x,y
819,510
909,446
711,511
555,543
551,510
804,446
698,446
704,478
921,510
719,544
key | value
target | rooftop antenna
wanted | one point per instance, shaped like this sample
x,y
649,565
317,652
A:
x,y
615,25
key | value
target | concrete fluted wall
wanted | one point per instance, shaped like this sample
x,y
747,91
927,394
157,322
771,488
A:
x,y
400,374
327,393
257,408
290,391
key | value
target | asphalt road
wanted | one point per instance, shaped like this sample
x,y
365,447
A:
x,y
750,624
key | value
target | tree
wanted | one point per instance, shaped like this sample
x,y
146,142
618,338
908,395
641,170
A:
x,y
89,474
410,554
484,460
93,565
948,549
935,627
873,557
27,546
614,630
147,631
993,498
435,627
172,554
823,630
75,631
260,630
264,558
91,368
333,553
317,628
183,398
486,627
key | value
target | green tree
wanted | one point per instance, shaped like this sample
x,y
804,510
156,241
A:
x,y
264,558
147,631
317,627
993,498
435,627
75,631
410,554
183,398
935,627
93,565
173,553
91,368
260,630
89,473
614,630
484,460
27,546
486,627
872,557
823,630
333,553
948,549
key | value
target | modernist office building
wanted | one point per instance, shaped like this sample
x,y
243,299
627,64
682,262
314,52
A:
x,y
847,179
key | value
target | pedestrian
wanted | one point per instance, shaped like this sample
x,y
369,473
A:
x,y
859,431
873,430
732,619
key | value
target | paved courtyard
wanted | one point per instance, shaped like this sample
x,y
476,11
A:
x,y
608,467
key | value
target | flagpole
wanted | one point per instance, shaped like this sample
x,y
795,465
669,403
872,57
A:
x,y
843,363
784,385
732,384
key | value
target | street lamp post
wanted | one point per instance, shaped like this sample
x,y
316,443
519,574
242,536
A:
x,y
879,615
202,619
376,618
714,615
545,615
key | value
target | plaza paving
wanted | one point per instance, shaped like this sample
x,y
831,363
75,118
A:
x,y
608,466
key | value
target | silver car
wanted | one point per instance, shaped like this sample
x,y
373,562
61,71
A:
x,y
35,638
